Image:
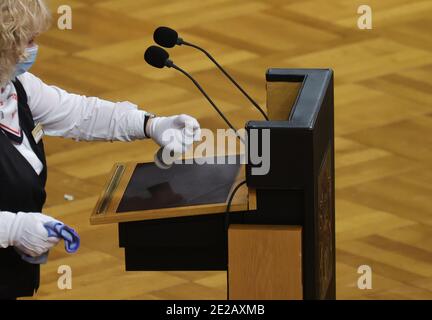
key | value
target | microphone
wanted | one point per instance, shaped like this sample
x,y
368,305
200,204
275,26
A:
x,y
168,38
157,57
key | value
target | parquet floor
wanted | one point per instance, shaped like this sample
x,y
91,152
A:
x,y
383,126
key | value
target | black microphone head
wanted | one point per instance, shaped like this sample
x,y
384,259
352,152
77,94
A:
x,y
165,37
156,57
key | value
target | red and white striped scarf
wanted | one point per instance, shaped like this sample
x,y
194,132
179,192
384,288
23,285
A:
x,y
9,119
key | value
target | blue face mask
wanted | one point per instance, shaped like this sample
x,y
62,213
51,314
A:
x,y
26,64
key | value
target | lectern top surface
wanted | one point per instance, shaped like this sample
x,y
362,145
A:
x,y
142,191
182,185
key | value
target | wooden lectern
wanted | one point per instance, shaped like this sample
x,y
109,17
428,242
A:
x,y
278,239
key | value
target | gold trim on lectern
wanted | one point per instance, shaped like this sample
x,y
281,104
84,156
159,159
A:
x,y
114,181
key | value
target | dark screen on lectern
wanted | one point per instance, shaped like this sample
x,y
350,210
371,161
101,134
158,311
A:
x,y
182,185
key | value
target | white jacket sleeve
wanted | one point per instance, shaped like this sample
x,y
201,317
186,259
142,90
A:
x,y
79,117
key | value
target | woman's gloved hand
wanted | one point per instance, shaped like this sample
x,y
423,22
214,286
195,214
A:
x,y
26,232
177,133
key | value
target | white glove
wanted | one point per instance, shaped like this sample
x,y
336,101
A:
x,y
26,232
176,133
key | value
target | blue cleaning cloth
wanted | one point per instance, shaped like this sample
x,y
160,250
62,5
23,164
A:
x,y
61,231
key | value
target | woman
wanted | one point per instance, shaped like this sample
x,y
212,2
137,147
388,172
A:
x,y
26,104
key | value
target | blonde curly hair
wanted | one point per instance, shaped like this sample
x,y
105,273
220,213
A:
x,y
20,22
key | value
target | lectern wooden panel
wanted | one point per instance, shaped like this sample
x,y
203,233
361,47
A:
x,y
264,262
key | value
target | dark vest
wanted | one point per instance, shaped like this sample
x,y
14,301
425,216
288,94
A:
x,y
21,190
